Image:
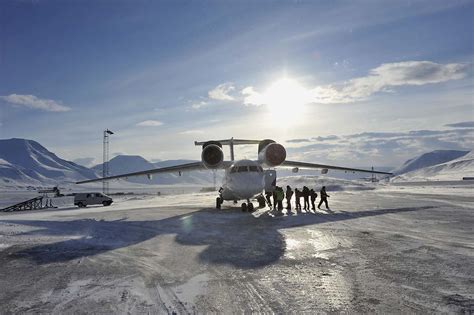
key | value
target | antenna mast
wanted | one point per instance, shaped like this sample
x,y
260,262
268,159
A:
x,y
105,156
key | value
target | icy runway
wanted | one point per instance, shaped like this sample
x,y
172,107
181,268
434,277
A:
x,y
382,250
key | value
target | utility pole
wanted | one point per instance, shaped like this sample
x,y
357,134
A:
x,y
105,164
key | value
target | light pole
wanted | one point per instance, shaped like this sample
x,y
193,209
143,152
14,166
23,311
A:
x,y
105,164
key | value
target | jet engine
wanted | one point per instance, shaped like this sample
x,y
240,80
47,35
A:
x,y
212,155
271,153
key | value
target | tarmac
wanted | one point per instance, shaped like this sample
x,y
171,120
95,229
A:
x,y
377,251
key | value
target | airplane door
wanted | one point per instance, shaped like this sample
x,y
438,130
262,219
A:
x,y
270,180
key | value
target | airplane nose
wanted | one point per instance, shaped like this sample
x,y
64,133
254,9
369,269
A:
x,y
250,190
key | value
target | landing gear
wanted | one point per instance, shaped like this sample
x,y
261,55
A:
x,y
247,206
261,201
250,207
219,202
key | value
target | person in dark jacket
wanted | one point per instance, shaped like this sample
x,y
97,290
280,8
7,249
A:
x,y
306,198
268,197
313,195
297,198
289,194
280,195
324,198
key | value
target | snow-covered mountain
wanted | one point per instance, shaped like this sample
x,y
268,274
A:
x,y
26,162
454,169
429,159
122,164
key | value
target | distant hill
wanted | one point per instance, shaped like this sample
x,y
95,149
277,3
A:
x,y
454,169
25,161
122,164
429,159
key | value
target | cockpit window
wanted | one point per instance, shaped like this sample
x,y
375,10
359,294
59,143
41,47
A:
x,y
253,168
241,169
260,169
233,169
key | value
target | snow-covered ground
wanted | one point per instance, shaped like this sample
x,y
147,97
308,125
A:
x,y
380,249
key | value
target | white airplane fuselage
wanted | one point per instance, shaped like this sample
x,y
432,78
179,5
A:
x,y
243,180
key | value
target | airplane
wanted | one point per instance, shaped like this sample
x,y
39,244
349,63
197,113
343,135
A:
x,y
243,179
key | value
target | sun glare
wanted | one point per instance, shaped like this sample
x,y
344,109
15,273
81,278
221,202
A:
x,y
285,96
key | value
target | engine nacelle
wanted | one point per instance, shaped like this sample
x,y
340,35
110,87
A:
x,y
272,154
212,155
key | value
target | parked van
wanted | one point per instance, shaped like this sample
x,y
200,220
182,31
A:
x,y
93,198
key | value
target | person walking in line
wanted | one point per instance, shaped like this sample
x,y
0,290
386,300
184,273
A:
x,y
324,198
268,197
289,194
280,196
306,198
297,198
313,195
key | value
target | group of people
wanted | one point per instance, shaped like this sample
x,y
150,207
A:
x,y
308,195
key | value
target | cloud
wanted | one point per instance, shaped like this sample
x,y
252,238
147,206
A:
x,y
150,123
376,135
382,148
192,132
389,75
464,124
32,101
298,140
326,138
252,97
221,92
380,79
87,161
199,105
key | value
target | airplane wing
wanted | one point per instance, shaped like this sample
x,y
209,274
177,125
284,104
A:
x,y
194,166
329,167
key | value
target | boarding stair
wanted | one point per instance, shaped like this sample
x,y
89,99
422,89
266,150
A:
x,y
31,204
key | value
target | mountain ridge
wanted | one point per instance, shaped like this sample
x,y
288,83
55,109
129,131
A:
x,y
24,160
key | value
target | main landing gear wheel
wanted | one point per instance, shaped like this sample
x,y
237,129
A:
x,y
244,207
250,207
218,202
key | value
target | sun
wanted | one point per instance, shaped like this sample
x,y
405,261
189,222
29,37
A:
x,y
285,97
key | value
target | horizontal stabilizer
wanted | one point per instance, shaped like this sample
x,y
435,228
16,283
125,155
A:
x,y
231,141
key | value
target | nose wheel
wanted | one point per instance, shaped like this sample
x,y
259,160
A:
x,y
247,206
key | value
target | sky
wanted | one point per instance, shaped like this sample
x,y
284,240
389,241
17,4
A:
x,y
352,83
